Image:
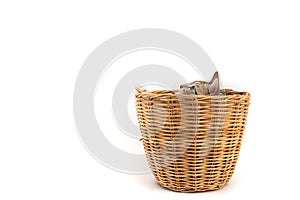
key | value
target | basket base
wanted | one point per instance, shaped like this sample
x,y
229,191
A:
x,y
191,189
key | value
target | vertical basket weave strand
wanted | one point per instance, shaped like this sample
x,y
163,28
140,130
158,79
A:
x,y
187,149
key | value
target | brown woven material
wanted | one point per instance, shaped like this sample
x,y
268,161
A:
x,y
192,143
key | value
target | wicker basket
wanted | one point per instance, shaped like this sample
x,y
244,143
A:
x,y
192,143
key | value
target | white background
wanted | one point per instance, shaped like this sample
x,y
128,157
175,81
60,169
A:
x,y
254,44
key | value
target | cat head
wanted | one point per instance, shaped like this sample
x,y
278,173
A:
x,y
202,87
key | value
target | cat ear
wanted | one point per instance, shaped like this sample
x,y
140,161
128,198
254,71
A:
x,y
214,87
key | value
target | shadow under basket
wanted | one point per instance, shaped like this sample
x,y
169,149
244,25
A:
x,y
192,142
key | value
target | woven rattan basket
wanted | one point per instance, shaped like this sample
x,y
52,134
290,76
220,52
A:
x,y
192,143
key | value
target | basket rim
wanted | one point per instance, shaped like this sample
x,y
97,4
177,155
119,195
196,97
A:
x,y
225,93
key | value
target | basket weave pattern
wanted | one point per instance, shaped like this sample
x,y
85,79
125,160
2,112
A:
x,y
192,143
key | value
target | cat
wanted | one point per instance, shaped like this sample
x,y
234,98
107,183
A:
x,y
197,87
202,87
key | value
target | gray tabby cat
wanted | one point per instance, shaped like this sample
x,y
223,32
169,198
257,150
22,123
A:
x,y
202,87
